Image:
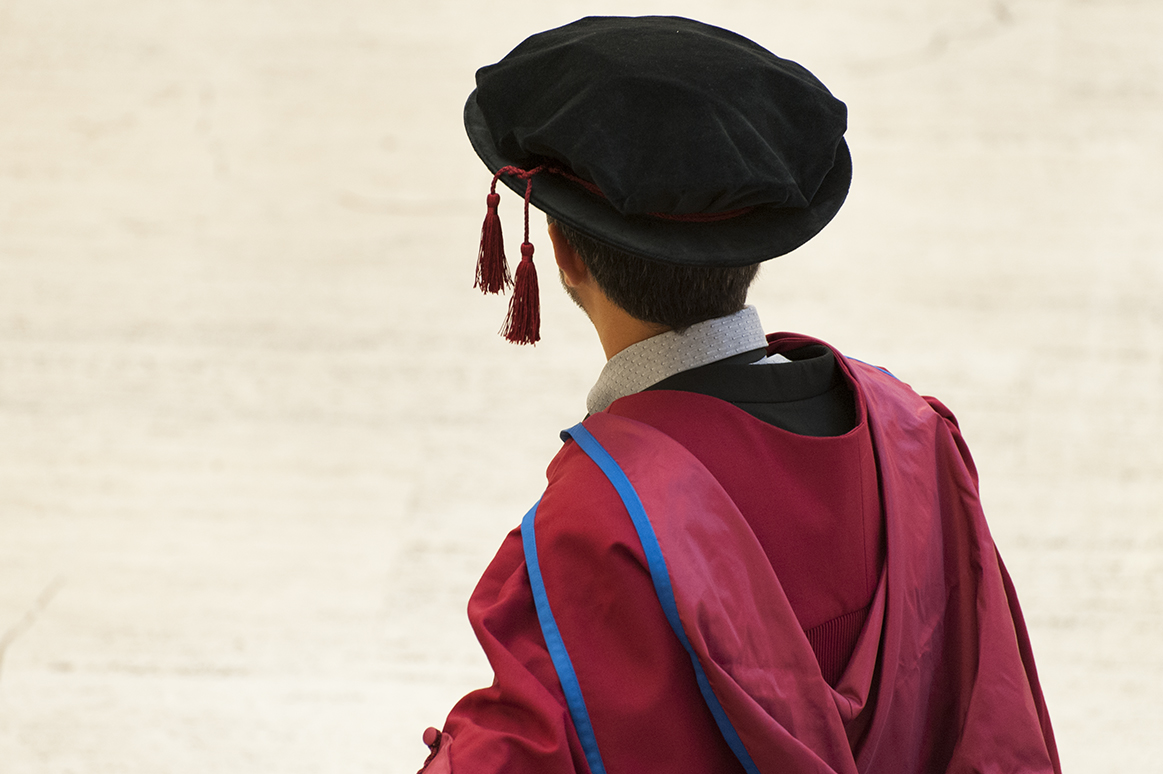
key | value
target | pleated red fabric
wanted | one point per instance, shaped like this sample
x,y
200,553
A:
x,y
941,677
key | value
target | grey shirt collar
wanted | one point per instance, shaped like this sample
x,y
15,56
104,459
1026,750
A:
x,y
652,360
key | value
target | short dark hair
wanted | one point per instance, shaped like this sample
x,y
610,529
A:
x,y
662,293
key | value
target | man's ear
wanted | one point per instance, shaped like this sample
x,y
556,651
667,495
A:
x,y
573,270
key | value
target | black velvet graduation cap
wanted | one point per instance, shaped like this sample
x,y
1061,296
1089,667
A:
x,y
661,136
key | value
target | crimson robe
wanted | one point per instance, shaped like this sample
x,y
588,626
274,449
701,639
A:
x,y
765,534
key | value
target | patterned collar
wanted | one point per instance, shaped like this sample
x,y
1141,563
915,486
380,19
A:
x,y
652,360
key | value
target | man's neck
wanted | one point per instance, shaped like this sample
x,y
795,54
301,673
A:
x,y
618,330
620,339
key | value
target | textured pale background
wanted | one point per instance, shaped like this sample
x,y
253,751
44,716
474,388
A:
x,y
258,437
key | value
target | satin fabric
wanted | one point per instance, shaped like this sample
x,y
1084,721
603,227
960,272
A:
x,y
941,678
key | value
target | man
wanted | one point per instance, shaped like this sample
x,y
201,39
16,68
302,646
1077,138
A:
x,y
754,554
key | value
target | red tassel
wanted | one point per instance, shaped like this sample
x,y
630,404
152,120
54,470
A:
x,y
492,270
523,323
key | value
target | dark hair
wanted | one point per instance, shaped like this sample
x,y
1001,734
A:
x,y
662,293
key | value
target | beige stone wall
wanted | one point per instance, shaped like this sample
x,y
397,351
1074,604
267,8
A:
x,y
258,437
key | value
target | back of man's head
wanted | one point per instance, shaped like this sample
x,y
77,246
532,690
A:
x,y
674,155
667,294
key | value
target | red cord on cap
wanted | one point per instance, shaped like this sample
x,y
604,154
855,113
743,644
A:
x,y
492,270
523,322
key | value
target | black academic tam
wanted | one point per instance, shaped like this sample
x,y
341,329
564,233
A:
x,y
664,137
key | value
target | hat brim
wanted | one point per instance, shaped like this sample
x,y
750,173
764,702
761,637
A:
x,y
758,235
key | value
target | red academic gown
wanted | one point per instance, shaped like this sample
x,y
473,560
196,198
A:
x,y
940,678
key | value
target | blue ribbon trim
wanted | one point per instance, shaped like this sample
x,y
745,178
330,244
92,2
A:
x,y
556,646
659,575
